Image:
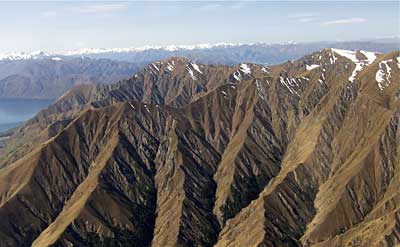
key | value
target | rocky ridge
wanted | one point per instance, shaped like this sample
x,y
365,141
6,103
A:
x,y
304,153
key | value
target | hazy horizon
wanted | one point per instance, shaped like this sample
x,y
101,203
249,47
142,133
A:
x,y
390,39
60,26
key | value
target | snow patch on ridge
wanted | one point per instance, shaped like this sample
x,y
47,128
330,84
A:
x,y
311,67
371,56
290,83
236,75
263,69
171,67
383,81
154,69
347,54
196,67
360,64
245,68
332,57
190,71
155,66
260,90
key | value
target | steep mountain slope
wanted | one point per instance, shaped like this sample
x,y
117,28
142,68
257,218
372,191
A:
x,y
300,154
333,173
175,82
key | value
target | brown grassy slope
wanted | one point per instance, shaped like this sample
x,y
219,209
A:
x,y
365,122
168,82
296,158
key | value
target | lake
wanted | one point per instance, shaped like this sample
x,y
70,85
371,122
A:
x,y
16,111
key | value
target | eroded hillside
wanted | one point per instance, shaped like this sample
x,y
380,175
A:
x,y
300,154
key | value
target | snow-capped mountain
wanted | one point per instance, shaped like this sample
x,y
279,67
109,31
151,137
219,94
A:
x,y
88,51
219,53
42,74
24,55
98,51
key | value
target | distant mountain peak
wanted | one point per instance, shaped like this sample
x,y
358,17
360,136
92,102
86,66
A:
x,y
86,51
208,53
92,51
24,55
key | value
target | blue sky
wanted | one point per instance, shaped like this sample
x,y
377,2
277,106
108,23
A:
x,y
58,26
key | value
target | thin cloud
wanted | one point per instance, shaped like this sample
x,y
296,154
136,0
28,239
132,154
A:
x,y
345,21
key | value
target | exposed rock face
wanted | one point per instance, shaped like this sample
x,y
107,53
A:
x,y
300,154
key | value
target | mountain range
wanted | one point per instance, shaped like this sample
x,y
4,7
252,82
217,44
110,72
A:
x,y
220,53
304,153
232,54
43,75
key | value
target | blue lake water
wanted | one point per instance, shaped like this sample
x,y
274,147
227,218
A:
x,y
16,111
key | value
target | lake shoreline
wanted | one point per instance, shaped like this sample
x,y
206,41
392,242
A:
x,y
15,111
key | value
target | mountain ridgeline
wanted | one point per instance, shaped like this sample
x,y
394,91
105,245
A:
x,y
305,153
42,75
232,54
